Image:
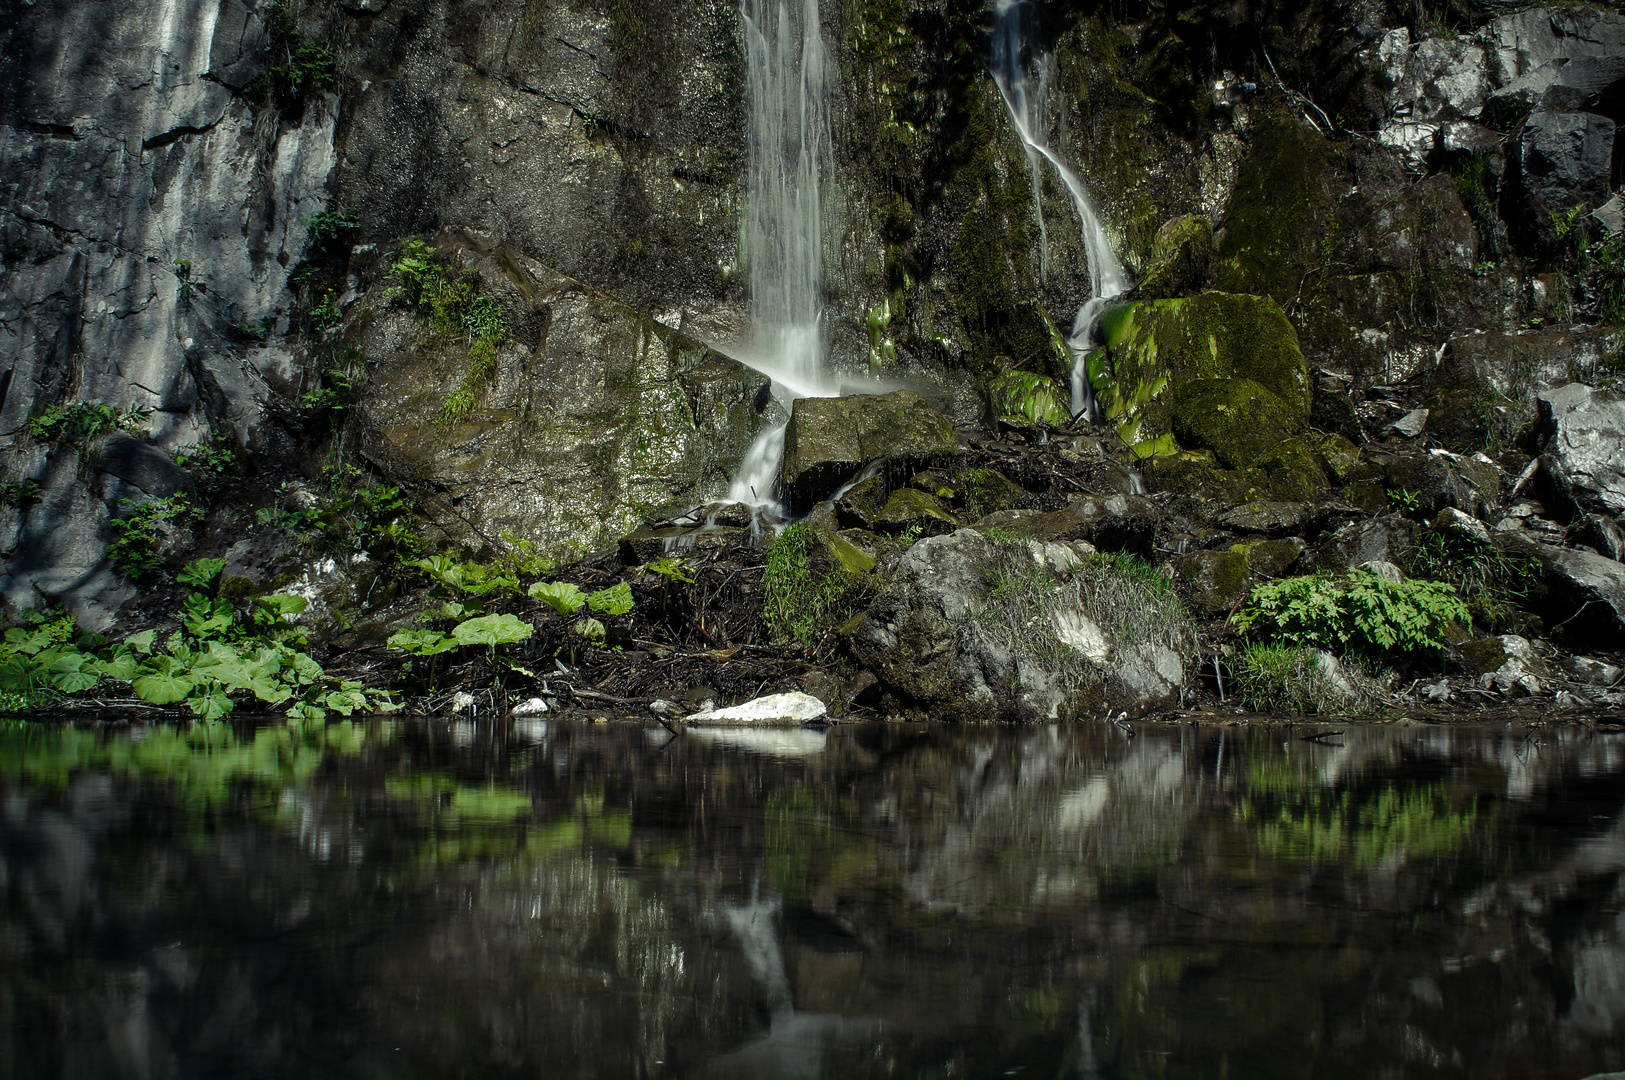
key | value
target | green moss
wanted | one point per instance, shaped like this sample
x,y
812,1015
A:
x,y
812,584
910,508
1217,579
1279,223
1180,255
1035,399
1214,335
1293,472
1237,419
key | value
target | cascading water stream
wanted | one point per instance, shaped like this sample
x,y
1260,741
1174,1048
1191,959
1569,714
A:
x,y
787,98
1026,99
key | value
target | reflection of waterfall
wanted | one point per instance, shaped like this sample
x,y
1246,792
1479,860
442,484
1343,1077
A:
x,y
1026,99
787,96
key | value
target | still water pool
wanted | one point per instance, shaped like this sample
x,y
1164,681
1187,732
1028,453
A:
x,y
407,899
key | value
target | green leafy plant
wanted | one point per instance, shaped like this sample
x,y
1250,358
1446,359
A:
x,y
806,595
134,550
214,456
329,223
297,63
452,307
1406,502
1282,678
183,274
1359,611
876,323
19,493
80,423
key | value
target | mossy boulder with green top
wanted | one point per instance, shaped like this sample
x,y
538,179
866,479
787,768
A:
x,y
1219,370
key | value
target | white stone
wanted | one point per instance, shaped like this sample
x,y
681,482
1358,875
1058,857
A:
x,y
1077,631
774,710
461,701
534,707
1451,518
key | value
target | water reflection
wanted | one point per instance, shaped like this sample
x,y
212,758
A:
x,y
602,900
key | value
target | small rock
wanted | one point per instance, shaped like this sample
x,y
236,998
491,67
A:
x,y
534,707
1439,691
1591,672
461,701
774,710
1411,424
1384,569
1453,519
662,707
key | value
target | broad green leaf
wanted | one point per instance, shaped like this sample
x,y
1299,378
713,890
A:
x,y
615,600
212,704
561,596
72,682
201,573
281,604
422,642
142,642
120,664
493,630
162,684
592,630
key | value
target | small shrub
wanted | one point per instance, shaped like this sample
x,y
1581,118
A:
x,y
1272,678
329,223
1493,581
81,423
297,63
134,550
213,456
1360,612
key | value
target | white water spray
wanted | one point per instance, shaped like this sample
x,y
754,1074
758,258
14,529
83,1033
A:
x,y
1026,98
787,98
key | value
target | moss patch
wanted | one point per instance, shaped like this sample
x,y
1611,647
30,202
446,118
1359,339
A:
x,y
1237,419
1279,223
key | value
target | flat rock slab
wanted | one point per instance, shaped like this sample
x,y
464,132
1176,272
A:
x,y
774,710
1585,445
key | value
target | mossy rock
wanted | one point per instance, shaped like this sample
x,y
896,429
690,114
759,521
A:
x,y
909,508
858,507
1218,580
1336,455
1181,255
987,491
830,439
1237,419
1280,221
1212,336
1272,558
1022,396
1293,471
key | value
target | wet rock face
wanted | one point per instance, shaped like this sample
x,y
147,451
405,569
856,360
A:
x,y
831,440
1585,445
936,638
597,418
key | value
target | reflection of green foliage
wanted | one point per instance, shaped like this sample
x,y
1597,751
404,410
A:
x,y
202,763
1395,823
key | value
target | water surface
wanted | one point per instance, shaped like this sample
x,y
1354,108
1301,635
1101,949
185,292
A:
x,y
598,900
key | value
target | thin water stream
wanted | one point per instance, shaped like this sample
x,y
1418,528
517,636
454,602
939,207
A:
x,y
599,900
1026,98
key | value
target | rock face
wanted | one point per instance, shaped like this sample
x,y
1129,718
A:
x,y
1585,445
951,636
831,440
597,418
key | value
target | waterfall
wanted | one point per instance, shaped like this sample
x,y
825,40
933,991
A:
x,y
1026,98
787,98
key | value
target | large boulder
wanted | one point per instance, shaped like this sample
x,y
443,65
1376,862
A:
x,y
1585,445
1584,592
1545,54
973,628
1568,158
596,419
1222,371
831,440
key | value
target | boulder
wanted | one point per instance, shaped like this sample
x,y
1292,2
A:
x,y
1507,663
1218,580
1223,371
1585,592
1021,397
1568,158
1112,523
1584,433
1270,518
142,465
1600,533
1389,539
831,440
1591,671
956,636
1181,253
1555,53
909,508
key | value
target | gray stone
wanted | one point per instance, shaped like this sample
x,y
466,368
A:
x,y
1585,593
1590,671
1113,523
1585,445
1611,215
142,465
1455,521
1533,52
1599,532
1411,424
1270,518
1389,539
921,637
1567,158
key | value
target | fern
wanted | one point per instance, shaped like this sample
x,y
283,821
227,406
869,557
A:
x,y
1360,612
